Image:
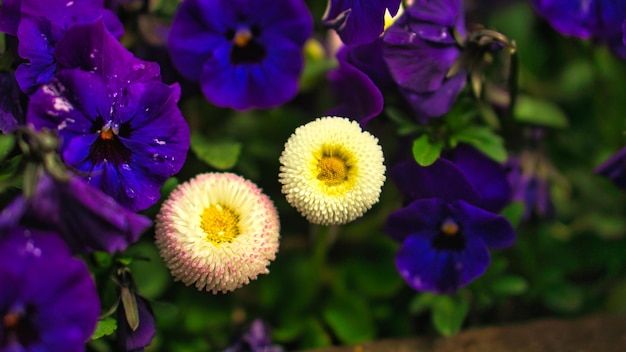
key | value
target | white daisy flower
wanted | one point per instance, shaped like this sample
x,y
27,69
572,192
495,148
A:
x,y
217,231
332,171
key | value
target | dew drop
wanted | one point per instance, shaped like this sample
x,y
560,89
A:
x,y
126,167
158,157
130,193
137,67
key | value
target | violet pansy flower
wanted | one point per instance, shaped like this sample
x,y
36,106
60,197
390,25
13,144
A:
x,y
614,168
51,303
358,21
600,20
120,127
450,221
41,26
420,48
256,339
69,207
244,54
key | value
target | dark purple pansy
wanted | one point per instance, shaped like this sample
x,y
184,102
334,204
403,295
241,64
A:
x,y
48,301
477,179
135,340
41,27
528,176
450,220
420,48
70,207
120,125
600,20
358,97
614,169
359,21
10,15
244,54
256,339
11,113
125,143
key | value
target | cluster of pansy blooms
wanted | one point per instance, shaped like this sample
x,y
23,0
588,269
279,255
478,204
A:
x,y
101,133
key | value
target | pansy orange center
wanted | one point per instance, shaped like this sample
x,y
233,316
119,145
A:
x,y
449,228
242,37
11,320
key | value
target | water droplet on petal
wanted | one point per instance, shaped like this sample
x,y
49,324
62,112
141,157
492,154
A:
x,y
130,193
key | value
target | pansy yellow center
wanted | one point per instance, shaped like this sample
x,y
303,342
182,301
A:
x,y
449,227
220,224
242,37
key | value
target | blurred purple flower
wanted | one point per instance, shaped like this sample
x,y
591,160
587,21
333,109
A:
x,y
420,48
11,114
136,340
256,339
359,98
450,219
244,54
601,20
528,175
69,208
48,300
120,127
358,21
43,24
614,169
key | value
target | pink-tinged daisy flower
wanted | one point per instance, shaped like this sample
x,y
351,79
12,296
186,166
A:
x,y
217,231
332,171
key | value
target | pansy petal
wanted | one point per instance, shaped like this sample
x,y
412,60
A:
x,y
486,176
359,98
130,340
614,168
495,230
441,179
10,16
434,104
420,218
358,22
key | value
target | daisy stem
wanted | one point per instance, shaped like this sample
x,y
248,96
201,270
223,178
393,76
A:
x,y
322,238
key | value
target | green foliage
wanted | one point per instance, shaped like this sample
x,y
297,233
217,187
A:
x,y
539,112
426,152
105,327
220,154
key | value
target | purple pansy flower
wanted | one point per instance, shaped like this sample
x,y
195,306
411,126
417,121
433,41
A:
x,y
69,207
601,20
528,176
359,98
48,300
129,340
43,25
614,169
420,48
359,21
126,135
11,114
256,339
449,222
244,54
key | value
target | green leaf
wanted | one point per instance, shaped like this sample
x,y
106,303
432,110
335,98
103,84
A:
x,y
315,336
7,141
220,154
421,303
350,319
509,285
564,298
105,327
514,213
483,139
449,314
426,152
539,112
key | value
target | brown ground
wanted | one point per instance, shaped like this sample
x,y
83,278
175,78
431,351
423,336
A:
x,y
593,334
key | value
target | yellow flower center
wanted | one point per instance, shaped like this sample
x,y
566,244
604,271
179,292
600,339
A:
x,y
242,37
335,168
332,170
449,228
220,223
